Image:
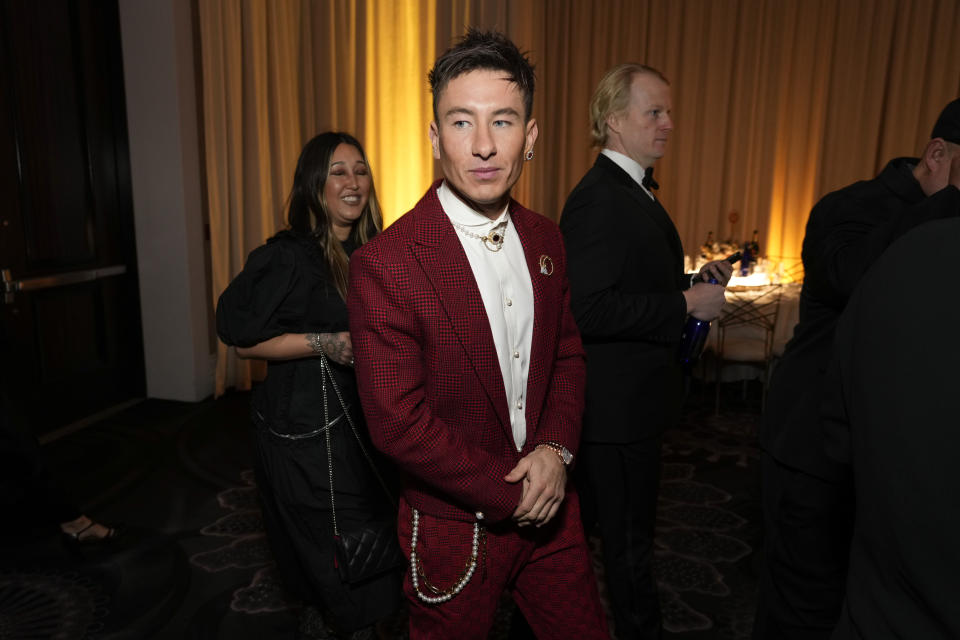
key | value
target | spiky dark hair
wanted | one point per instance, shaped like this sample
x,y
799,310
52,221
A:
x,y
483,50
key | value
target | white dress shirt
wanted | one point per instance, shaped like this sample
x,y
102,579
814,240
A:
x,y
507,292
631,166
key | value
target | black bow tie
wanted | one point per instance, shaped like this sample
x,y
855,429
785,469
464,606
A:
x,y
648,181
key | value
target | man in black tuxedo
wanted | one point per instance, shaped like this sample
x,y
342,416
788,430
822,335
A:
x,y
890,411
630,298
807,501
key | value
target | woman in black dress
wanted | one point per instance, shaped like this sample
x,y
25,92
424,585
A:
x,y
287,306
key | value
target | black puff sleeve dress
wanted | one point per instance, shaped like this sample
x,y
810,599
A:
x,y
285,288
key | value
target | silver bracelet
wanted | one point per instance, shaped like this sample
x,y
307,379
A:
x,y
313,339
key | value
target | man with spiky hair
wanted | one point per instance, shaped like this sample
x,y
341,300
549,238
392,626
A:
x,y
471,369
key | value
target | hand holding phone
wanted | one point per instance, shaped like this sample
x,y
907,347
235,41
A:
x,y
711,273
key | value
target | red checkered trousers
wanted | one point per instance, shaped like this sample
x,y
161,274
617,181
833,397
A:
x,y
547,571
435,403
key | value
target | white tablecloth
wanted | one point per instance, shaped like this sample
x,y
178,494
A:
x,y
787,316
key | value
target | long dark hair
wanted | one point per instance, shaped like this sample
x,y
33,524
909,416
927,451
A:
x,y
307,212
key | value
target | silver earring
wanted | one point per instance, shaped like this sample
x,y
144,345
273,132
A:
x,y
529,155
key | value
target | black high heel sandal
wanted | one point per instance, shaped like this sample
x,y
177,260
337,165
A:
x,y
77,540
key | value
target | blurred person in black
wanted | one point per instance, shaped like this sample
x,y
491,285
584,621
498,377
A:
x,y
288,306
807,505
32,499
890,416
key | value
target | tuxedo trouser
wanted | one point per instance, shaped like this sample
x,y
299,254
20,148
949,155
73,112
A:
x,y
808,524
547,571
619,484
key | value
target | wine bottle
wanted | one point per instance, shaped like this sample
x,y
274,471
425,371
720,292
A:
x,y
751,253
706,249
693,338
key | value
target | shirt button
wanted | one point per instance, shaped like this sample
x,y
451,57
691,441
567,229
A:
x,y
519,404
509,302
516,354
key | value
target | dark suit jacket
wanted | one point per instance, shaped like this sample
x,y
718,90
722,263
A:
x,y
427,367
846,233
626,276
891,411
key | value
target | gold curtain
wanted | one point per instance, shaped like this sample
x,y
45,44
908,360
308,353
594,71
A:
x,y
398,104
273,73
776,102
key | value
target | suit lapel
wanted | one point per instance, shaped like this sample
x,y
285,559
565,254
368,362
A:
x,y
662,219
531,236
439,252
651,208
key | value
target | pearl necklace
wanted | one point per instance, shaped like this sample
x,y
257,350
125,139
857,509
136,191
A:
x,y
416,571
493,241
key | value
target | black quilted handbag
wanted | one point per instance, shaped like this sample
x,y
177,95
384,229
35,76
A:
x,y
368,551
372,549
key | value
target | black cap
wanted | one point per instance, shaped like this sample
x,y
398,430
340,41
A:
x,y
948,124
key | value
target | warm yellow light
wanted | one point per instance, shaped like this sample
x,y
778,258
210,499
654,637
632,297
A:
x,y
398,105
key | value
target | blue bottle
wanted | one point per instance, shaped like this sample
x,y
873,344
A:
x,y
694,338
695,332
751,253
748,258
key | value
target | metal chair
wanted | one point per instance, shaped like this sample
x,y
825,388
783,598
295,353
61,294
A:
x,y
791,270
745,331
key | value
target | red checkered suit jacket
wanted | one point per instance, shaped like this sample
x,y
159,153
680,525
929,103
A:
x,y
429,378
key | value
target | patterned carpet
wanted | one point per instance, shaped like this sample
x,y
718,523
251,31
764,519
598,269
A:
x,y
709,526
195,563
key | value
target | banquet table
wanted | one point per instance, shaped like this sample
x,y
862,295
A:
x,y
787,317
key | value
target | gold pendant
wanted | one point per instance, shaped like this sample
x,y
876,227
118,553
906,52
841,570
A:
x,y
493,241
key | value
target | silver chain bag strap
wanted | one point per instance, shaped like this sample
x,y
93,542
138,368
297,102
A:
x,y
369,549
